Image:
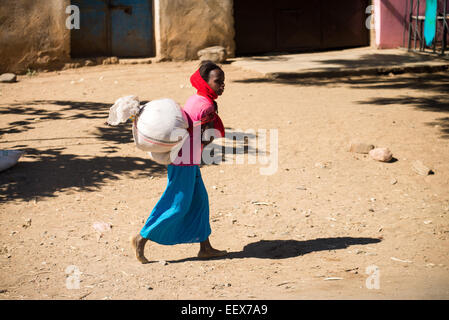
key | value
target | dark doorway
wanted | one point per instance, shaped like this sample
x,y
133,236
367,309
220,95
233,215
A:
x,y
263,26
122,28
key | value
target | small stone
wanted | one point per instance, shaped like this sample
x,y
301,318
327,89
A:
x,y
88,63
360,147
27,223
393,181
420,168
381,154
321,165
163,262
110,60
71,65
8,78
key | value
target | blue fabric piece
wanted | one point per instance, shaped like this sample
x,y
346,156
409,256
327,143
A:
x,y
182,213
430,21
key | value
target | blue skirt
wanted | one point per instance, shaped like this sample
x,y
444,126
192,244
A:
x,y
182,213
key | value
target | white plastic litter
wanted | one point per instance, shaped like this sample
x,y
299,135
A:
x,y
101,227
123,109
9,158
159,127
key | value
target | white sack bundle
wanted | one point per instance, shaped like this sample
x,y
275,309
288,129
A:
x,y
159,126
9,158
161,158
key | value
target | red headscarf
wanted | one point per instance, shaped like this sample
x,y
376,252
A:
x,y
203,89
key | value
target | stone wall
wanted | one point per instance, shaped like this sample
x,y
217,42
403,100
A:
x,y
33,35
187,26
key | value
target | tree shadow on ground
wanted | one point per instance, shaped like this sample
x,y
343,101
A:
x,y
69,110
283,249
52,171
436,85
380,60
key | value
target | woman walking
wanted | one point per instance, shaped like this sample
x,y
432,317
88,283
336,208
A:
x,y
182,213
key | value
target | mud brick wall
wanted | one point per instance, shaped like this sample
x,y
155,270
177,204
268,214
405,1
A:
x,y
33,35
187,26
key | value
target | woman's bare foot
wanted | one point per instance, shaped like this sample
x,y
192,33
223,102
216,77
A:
x,y
206,251
211,253
138,243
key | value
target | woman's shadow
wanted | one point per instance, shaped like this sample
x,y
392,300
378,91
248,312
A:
x,y
282,249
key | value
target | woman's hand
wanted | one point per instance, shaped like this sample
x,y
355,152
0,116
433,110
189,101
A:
x,y
205,139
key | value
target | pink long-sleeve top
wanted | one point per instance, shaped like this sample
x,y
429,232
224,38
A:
x,y
199,111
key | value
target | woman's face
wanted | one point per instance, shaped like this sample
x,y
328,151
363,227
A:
x,y
216,81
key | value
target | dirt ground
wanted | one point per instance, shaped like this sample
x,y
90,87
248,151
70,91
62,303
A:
x,y
328,224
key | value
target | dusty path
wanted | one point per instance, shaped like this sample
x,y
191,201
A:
x,y
326,212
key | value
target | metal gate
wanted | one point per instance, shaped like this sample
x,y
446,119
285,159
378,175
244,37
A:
x,y
263,26
121,28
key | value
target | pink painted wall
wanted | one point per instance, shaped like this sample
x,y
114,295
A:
x,y
391,22
390,18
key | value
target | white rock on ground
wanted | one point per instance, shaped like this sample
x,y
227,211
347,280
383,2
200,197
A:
x,y
381,154
8,78
216,54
